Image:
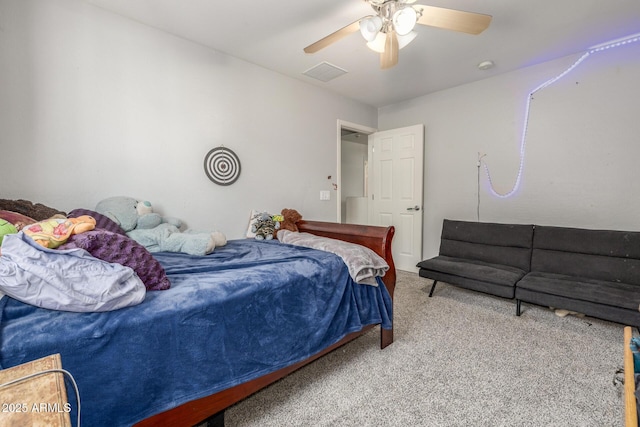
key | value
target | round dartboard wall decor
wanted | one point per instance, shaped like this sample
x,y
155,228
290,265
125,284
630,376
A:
x,y
222,166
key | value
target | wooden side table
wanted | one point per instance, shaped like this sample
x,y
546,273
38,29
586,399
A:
x,y
37,401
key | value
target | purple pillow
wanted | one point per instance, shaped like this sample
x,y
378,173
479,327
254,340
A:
x,y
102,222
118,248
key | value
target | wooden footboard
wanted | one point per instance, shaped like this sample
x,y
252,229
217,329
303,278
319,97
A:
x,y
630,410
377,239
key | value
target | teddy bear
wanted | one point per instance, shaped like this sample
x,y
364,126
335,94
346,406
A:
x,y
289,219
291,216
155,232
264,226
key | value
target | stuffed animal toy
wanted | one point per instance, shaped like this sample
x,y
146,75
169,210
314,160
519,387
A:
x,y
264,226
291,216
131,214
154,232
53,232
289,219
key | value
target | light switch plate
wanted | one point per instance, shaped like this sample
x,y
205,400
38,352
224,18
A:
x,y
325,195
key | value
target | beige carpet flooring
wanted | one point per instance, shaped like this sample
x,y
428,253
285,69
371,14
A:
x,y
461,358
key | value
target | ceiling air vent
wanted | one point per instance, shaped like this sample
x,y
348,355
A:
x,y
324,72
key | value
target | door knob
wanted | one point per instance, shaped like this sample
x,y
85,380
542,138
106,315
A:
x,y
415,208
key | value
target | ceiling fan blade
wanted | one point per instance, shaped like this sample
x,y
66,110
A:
x,y
333,37
389,57
451,19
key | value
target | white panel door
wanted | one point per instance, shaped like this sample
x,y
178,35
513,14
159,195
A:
x,y
396,196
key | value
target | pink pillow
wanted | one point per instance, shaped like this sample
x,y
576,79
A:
x,y
17,219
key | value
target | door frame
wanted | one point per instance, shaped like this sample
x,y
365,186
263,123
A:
x,y
342,124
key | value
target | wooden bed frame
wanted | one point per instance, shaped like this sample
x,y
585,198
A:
x,y
630,407
191,413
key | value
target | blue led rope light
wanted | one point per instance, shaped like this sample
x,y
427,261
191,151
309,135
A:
x,y
602,47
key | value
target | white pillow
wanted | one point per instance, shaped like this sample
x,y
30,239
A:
x,y
67,280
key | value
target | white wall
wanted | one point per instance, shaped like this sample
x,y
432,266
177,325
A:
x,y
93,105
581,158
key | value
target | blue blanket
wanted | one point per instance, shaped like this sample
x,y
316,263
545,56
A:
x,y
248,309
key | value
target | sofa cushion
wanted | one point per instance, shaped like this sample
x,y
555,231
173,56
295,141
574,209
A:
x,y
513,235
598,254
622,244
599,267
504,244
585,289
473,269
602,311
479,285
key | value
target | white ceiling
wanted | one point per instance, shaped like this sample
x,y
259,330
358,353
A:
x,y
272,34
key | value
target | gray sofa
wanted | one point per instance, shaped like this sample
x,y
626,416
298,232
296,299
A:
x,y
595,272
484,257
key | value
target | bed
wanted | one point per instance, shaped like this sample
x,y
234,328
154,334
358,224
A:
x,y
219,334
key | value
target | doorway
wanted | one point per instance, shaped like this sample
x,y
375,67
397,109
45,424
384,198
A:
x,y
352,172
383,184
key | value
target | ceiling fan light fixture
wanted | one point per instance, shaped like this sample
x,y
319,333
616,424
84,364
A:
x,y
406,39
377,44
370,27
404,20
391,27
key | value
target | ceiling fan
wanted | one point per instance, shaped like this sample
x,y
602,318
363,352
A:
x,y
392,27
